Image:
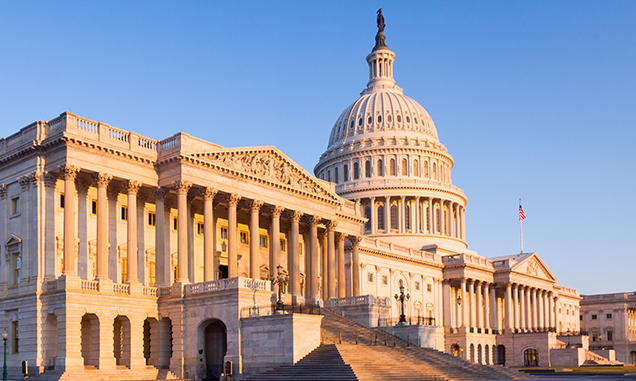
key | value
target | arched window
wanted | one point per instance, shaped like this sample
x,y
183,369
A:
x,y
336,177
455,350
531,357
405,167
426,169
367,169
407,216
438,221
380,168
392,167
472,352
345,172
479,354
416,168
367,215
329,175
356,171
380,217
486,355
394,217
434,171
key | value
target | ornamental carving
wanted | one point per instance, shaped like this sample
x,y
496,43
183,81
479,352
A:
x,y
533,267
355,240
208,193
341,237
182,186
332,225
277,210
160,194
255,205
266,165
24,182
233,199
68,171
3,191
296,215
132,186
102,179
50,179
36,178
315,220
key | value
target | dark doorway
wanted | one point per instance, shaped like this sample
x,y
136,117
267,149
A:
x,y
215,344
501,355
223,272
530,357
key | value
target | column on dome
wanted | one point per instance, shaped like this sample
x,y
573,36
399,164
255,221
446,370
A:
x,y
132,188
355,263
313,296
209,268
293,251
331,262
402,214
387,215
342,284
508,311
255,207
68,173
431,216
102,180
182,187
160,240
463,223
372,215
232,236
417,220
442,231
324,247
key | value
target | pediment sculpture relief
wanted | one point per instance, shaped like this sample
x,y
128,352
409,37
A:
x,y
533,267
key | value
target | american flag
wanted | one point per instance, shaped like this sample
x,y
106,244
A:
x,y
522,215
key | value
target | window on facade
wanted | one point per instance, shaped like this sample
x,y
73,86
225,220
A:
x,y
61,200
426,169
380,168
417,286
408,119
262,241
15,266
15,337
367,215
175,223
15,206
370,277
223,232
151,274
283,245
152,219
593,317
610,336
399,119
388,118
345,172
336,176
94,207
581,317
416,168
123,215
385,280
381,217
300,249
429,287
407,212
392,167
405,167
356,171
329,175
608,316
124,270
243,237
367,169
394,217
200,228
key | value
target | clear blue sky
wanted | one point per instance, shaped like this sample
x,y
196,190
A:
x,y
534,99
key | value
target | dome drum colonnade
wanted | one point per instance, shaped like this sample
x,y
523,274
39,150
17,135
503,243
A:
x,y
332,242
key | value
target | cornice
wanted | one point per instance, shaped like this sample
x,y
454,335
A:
x,y
91,146
398,257
342,193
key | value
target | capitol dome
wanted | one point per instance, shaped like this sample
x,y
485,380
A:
x,y
384,154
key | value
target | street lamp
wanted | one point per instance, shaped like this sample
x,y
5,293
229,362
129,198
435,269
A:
x,y
281,280
5,336
402,298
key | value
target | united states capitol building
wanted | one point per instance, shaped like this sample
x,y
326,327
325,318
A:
x,y
154,258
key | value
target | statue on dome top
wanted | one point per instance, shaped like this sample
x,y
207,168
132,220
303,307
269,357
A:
x,y
380,20
379,38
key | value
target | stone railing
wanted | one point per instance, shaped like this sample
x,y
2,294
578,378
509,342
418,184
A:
x,y
121,288
165,291
89,285
621,296
228,284
358,300
149,291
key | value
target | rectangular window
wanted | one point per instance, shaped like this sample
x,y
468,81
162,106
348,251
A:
x,y
175,223
300,249
243,237
15,265
283,245
200,228
61,200
417,286
152,219
262,241
593,317
151,274
223,232
429,287
94,207
385,280
594,336
370,277
124,270
608,316
15,206
124,213
15,336
610,336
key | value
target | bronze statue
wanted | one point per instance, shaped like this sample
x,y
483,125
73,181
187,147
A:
x,y
380,20
379,38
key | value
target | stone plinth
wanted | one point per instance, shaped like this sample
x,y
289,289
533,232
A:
x,y
567,357
276,340
366,310
424,336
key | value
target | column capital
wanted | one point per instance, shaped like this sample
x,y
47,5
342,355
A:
x,y
132,186
296,215
355,240
3,191
341,237
322,234
102,179
182,186
50,179
24,182
208,193
160,194
314,220
68,171
255,205
277,210
332,225
233,199
36,178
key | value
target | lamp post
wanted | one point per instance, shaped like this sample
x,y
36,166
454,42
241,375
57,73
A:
x,y
281,280
5,336
402,298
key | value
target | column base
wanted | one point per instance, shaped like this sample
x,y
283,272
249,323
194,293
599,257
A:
x,y
105,286
315,302
136,288
69,282
298,299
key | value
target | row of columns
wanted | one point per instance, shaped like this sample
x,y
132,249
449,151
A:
x,y
425,214
69,173
529,309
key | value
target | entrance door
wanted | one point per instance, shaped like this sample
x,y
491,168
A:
x,y
215,337
501,355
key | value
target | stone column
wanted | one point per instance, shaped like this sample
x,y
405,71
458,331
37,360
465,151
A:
x,y
232,235
160,247
447,304
274,258
331,263
479,307
132,187
463,223
465,322
494,313
540,309
486,306
294,279
342,283
102,180
552,314
68,173
402,214
515,305
182,187
442,218
471,304
387,215
530,325
209,270
324,244
535,320
509,316
372,215
431,216
522,308
255,207
312,277
355,263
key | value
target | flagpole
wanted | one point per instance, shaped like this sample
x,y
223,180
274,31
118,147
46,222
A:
x,y
521,228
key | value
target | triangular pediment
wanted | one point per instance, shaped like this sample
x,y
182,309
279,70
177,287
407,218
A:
x,y
532,265
13,240
270,165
